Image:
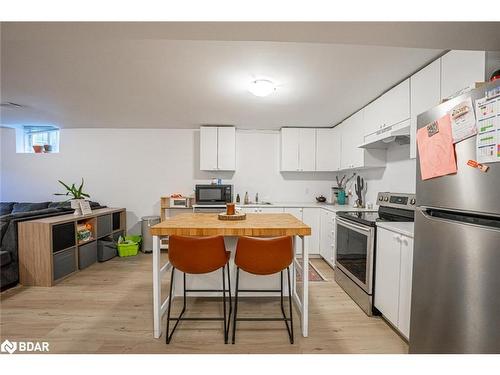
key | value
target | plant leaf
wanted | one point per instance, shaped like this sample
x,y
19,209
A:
x,y
63,184
80,189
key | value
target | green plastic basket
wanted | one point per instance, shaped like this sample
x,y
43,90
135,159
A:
x,y
129,249
135,238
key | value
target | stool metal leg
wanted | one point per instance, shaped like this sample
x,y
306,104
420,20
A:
x,y
286,319
224,302
290,304
227,316
168,335
236,303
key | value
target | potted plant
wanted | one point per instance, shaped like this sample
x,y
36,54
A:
x,y
77,195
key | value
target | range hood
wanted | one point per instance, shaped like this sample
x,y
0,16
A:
x,y
383,138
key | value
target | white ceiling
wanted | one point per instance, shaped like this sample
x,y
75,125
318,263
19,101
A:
x,y
91,75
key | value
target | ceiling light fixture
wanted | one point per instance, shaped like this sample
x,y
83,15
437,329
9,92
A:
x,y
261,87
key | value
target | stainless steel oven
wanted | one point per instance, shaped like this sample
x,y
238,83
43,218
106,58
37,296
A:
x,y
356,245
213,194
355,260
355,252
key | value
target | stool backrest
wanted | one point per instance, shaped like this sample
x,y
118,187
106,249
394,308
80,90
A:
x,y
197,254
264,256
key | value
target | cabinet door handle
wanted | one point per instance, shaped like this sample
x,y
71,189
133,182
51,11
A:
x,y
405,241
397,238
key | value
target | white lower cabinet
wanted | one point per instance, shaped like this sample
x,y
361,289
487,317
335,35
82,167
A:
x,y
405,285
311,217
261,210
393,278
327,236
297,212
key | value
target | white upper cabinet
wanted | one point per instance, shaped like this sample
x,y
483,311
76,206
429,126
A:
x,y
352,132
226,148
217,148
391,108
373,116
460,69
425,94
307,149
352,137
289,149
397,104
298,149
208,148
327,150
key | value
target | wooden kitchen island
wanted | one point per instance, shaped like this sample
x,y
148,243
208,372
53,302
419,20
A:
x,y
255,225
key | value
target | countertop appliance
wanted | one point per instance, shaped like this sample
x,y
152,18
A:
x,y
356,245
455,305
213,194
179,202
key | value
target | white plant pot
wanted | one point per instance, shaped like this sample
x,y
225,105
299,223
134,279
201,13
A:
x,y
75,204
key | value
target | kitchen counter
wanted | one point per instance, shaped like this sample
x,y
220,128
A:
x,y
255,224
202,224
404,228
327,206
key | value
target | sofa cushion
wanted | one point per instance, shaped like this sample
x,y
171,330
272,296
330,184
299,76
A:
x,y
27,207
63,204
6,208
5,258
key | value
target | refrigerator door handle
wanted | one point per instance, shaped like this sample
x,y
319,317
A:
x,y
491,223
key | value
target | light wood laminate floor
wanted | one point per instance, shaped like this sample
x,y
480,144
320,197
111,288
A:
x,y
107,308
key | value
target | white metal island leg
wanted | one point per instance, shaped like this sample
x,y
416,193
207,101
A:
x,y
301,294
159,306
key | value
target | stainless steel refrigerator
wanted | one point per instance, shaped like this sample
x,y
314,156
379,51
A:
x,y
455,305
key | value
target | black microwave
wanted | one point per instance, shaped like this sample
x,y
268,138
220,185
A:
x,y
213,194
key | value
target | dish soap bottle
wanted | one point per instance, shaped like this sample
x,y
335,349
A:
x,y
246,198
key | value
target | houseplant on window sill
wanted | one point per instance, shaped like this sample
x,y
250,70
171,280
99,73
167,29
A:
x,y
77,196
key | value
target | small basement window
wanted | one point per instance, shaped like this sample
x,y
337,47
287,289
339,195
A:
x,y
40,139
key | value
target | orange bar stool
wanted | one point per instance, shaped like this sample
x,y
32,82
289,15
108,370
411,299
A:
x,y
264,256
198,255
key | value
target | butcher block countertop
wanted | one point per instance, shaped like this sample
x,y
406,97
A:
x,y
208,224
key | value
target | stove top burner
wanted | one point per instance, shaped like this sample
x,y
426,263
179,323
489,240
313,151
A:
x,y
383,214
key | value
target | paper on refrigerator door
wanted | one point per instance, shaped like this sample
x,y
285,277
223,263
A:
x,y
463,121
435,149
488,129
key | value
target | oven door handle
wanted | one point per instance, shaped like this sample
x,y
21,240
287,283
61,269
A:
x,y
351,225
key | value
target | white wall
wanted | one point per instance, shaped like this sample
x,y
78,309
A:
x,y
398,176
132,168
